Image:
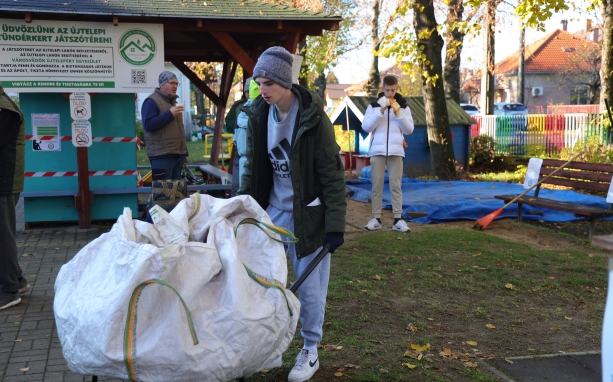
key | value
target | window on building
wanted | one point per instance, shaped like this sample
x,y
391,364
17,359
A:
x,y
579,95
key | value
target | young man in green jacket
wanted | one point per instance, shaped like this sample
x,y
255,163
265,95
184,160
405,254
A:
x,y
294,171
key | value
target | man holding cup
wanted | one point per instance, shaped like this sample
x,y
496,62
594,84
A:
x,y
164,131
387,120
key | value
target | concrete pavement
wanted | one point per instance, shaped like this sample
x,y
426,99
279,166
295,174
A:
x,y
30,349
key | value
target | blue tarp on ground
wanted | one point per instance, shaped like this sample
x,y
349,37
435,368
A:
x,y
462,200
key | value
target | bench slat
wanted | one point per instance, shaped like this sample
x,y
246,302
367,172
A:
x,y
558,205
578,165
602,187
588,176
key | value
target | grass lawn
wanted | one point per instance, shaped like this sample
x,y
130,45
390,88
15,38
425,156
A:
x,y
196,156
437,304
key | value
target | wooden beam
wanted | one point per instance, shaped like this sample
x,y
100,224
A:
x,y
229,69
236,51
291,43
197,81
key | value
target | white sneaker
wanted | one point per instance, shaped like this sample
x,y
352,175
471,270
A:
x,y
306,365
401,226
373,225
274,364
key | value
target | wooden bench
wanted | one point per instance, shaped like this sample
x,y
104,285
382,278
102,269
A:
x,y
578,175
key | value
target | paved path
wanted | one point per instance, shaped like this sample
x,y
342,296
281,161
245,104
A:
x,y
28,337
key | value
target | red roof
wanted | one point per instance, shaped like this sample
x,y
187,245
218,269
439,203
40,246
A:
x,y
547,55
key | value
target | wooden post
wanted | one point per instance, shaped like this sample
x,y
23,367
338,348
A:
x,y
83,199
229,68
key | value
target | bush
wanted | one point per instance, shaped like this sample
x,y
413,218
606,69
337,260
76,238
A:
x,y
482,150
140,132
594,151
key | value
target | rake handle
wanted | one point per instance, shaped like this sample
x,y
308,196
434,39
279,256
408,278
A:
x,y
541,181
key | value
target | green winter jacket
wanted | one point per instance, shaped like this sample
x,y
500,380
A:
x,y
12,146
316,167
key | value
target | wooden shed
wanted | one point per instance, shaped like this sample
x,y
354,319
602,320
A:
x,y
417,154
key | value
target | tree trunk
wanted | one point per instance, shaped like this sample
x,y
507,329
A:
x,y
487,71
304,70
442,157
452,62
606,66
320,87
521,66
200,106
374,79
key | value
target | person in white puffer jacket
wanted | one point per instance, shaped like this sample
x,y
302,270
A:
x,y
388,120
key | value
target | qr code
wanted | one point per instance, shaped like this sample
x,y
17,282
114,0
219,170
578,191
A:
x,y
139,76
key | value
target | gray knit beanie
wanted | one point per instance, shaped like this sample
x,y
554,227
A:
x,y
246,85
166,76
275,64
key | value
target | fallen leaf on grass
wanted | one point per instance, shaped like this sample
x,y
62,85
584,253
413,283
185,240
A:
x,y
412,328
471,343
508,361
18,340
509,286
430,319
568,318
384,371
554,328
25,369
445,353
471,364
426,347
332,347
490,326
376,277
338,374
410,366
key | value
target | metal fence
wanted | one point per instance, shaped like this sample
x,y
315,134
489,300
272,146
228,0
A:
x,y
536,133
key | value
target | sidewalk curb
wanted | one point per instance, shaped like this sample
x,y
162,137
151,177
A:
x,y
492,370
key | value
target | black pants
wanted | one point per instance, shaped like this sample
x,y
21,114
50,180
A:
x,y
10,271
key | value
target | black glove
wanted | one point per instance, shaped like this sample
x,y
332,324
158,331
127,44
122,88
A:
x,y
334,240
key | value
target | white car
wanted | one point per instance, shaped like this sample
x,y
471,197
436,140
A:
x,y
509,108
470,109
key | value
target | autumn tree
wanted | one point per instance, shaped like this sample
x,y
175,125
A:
x,y
535,12
206,71
420,52
581,73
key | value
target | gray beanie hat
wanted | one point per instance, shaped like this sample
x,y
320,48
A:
x,y
275,64
166,76
246,86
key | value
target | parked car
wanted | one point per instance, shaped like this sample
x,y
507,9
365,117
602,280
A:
x,y
509,108
470,109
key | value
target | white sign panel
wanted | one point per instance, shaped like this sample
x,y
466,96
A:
x,y
46,132
66,56
80,106
81,133
532,173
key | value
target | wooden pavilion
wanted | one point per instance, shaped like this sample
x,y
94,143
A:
x,y
232,32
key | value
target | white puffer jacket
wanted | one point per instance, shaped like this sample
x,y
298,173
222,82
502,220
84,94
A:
x,y
386,130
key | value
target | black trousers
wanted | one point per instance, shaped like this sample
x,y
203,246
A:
x,y
10,271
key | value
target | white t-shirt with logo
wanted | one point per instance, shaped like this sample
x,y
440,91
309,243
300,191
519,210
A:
x,y
280,152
